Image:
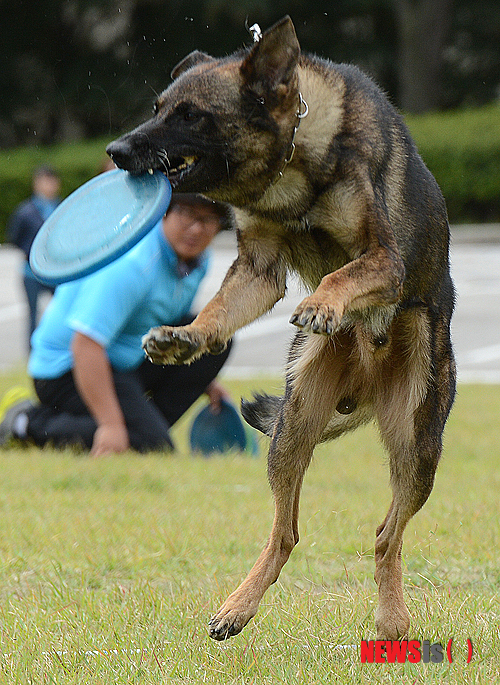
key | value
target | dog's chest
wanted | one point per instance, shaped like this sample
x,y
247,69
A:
x,y
313,253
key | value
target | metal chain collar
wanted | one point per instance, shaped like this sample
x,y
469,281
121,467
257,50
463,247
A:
x,y
302,111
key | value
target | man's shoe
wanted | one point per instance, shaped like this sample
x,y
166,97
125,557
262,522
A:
x,y
15,402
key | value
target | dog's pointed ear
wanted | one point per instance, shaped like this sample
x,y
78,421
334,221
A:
x,y
195,57
272,61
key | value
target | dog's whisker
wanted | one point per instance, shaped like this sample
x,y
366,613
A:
x,y
164,160
163,155
154,91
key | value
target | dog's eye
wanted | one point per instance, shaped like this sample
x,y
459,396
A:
x,y
189,112
156,108
190,115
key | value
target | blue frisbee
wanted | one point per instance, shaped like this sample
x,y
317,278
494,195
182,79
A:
x,y
211,433
98,223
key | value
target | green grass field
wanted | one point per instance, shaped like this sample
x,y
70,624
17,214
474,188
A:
x,y
111,568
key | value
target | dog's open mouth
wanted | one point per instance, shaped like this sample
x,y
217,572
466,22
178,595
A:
x,y
176,168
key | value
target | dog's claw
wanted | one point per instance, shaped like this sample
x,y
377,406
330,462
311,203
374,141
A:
x,y
217,348
231,618
221,631
315,318
223,628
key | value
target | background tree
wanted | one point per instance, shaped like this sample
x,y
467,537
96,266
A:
x,y
82,68
423,28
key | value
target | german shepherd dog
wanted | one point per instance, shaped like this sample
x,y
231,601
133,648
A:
x,y
326,182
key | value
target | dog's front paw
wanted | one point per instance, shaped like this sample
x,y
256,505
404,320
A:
x,y
173,345
314,316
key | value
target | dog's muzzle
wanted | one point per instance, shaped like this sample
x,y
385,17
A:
x,y
121,152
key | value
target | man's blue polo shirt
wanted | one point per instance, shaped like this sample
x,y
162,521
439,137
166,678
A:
x,y
115,307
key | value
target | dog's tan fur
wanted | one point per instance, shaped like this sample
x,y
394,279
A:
x,y
357,215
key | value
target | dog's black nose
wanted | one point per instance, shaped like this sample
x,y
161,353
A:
x,y
120,152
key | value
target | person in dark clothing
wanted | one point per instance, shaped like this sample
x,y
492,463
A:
x,y
22,228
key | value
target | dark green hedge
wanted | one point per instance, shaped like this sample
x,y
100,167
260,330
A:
x,y
462,149
76,163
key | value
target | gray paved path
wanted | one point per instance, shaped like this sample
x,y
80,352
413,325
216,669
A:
x,y
261,347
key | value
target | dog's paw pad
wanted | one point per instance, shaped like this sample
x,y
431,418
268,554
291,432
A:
x,y
170,345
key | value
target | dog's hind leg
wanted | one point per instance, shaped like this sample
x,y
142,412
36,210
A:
x,y
307,407
414,443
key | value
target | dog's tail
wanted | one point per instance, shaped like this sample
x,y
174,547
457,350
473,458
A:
x,y
262,412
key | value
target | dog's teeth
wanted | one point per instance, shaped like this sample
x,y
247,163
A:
x,y
188,161
150,171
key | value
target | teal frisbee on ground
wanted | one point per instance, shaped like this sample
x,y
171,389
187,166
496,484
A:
x,y
211,433
98,223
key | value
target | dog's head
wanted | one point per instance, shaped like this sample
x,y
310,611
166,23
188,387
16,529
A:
x,y
224,126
